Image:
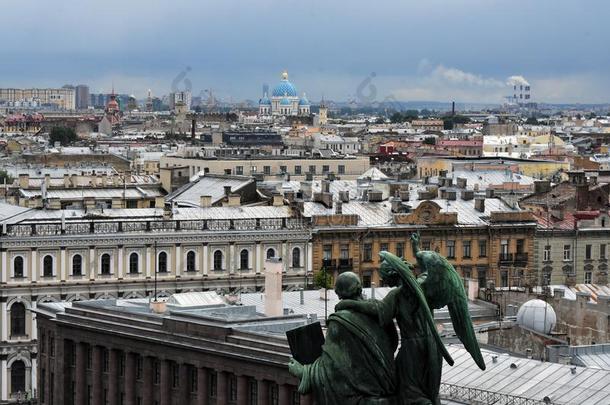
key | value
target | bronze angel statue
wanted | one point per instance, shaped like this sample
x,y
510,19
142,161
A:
x,y
419,361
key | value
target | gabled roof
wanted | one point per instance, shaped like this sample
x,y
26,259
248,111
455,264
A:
x,y
213,185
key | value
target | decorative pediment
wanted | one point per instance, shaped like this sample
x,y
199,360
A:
x,y
603,267
426,213
588,267
567,269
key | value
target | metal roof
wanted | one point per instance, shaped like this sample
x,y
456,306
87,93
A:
x,y
190,194
8,211
527,379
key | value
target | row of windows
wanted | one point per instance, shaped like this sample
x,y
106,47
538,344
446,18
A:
x,y
567,252
134,262
367,249
298,170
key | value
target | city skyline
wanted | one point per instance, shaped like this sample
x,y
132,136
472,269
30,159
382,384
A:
x,y
406,51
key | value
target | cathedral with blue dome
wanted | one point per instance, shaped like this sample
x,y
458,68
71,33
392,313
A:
x,y
284,101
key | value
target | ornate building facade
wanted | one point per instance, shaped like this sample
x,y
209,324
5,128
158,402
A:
x,y
72,255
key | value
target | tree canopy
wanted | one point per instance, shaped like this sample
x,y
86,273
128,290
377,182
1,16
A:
x,y
64,135
5,177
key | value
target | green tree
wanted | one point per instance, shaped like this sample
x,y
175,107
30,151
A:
x,y
5,178
380,120
592,115
63,135
323,279
531,121
396,118
429,141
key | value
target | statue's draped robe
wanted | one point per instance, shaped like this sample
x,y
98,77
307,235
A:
x,y
357,362
419,361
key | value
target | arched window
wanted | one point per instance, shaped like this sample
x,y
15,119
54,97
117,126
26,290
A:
x,y
162,263
18,267
77,265
296,257
47,266
18,319
270,253
17,377
133,263
244,258
105,263
190,261
218,260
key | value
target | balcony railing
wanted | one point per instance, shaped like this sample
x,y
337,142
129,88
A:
x,y
345,264
513,259
155,226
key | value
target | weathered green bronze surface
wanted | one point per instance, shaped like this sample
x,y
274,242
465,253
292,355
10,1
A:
x,y
357,365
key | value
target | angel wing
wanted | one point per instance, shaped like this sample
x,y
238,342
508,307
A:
x,y
410,282
443,287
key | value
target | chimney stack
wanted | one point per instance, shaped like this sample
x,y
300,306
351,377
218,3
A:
x,y
227,191
273,287
205,201
24,181
234,200
278,200
339,208
479,204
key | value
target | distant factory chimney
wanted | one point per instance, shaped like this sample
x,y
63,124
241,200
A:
x,y
273,287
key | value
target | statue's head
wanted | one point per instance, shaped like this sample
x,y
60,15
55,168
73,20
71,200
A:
x,y
388,274
348,286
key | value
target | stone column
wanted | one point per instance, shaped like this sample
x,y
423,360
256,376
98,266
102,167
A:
x,y
178,260
221,388
80,380
3,379
262,392
285,392
231,259
4,265
205,260
184,396
203,388
166,381
242,390
34,265
147,383
113,376
258,258
63,272
148,268
4,314
96,375
59,381
121,263
309,264
130,379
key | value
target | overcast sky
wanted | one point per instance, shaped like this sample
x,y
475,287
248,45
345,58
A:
x,y
436,50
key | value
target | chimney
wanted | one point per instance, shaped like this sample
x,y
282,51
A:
x,y
461,182
227,191
24,181
479,204
205,201
489,193
451,195
339,208
302,296
66,180
278,200
273,287
74,180
582,197
104,180
344,196
158,307
542,186
467,195
396,205
375,196
325,186
47,180
234,200
404,195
